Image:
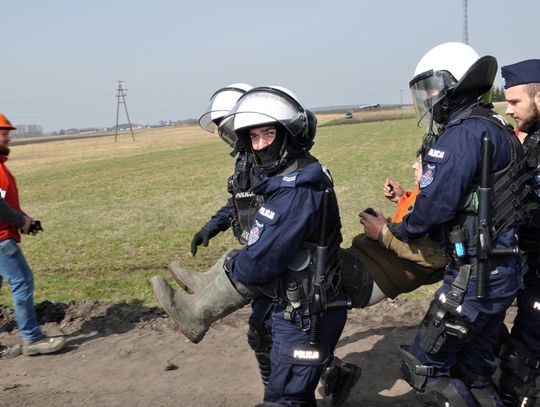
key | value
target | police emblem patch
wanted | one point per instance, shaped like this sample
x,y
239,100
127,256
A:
x,y
428,173
255,232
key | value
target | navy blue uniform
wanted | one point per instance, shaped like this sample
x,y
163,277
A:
x,y
290,217
449,171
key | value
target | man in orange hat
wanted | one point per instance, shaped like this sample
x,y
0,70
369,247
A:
x,y
13,266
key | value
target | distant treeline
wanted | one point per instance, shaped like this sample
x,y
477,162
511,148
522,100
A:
x,y
27,130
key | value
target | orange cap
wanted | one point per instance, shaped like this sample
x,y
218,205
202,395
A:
x,y
5,123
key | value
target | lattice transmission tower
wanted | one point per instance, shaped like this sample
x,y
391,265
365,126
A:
x,y
121,98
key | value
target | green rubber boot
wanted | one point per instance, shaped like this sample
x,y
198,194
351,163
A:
x,y
193,281
194,313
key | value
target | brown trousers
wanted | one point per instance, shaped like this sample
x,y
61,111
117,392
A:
x,y
393,269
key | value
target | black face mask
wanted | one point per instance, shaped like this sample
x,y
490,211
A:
x,y
272,153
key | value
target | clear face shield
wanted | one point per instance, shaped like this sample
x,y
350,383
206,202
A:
x,y
260,107
428,89
219,106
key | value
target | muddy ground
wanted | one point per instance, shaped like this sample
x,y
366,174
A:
x,y
131,355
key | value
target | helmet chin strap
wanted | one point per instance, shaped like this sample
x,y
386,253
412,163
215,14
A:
x,y
428,140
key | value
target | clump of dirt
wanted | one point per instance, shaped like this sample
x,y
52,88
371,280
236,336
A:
x,y
87,316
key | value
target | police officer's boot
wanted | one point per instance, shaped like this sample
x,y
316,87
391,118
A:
x,y
338,379
194,313
192,281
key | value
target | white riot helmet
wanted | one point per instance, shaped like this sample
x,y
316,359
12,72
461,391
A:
x,y
274,106
221,102
446,75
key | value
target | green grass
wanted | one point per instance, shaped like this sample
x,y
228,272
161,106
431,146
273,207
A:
x,y
116,214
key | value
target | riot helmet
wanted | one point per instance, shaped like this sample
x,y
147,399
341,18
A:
x,y
278,110
446,77
221,102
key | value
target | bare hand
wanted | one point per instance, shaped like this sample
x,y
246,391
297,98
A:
x,y
393,190
372,224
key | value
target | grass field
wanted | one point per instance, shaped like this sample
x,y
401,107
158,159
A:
x,y
116,214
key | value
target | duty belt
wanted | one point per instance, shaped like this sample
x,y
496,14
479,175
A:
x,y
466,267
294,299
493,262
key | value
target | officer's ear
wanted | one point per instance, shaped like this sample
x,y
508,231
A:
x,y
537,99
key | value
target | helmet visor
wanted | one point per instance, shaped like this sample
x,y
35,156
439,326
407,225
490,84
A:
x,y
263,106
427,89
219,106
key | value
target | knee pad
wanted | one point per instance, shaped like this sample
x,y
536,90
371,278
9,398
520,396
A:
x,y
357,283
520,377
413,371
434,391
259,338
445,391
442,331
439,391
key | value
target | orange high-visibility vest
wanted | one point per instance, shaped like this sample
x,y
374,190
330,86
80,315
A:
x,y
405,205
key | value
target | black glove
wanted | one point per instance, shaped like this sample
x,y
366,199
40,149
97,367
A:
x,y
201,237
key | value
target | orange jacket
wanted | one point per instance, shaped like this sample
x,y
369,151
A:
x,y
8,190
405,205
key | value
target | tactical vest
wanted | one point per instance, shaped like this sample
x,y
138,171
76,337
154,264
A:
x,y
511,185
245,203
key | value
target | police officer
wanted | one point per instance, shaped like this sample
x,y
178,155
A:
x,y
520,352
299,218
451,359
238,213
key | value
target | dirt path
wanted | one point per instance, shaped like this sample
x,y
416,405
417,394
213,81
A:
x,y
129,355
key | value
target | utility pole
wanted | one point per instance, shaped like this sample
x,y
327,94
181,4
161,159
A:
x,y
121,94
465,23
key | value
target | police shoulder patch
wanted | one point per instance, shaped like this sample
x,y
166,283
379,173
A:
x,y
267,215
438,154
255,233
428,174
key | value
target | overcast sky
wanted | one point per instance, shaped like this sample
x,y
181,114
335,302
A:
x,y
62,59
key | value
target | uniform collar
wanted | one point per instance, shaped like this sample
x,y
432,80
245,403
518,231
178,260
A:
x,y
3,159
311,175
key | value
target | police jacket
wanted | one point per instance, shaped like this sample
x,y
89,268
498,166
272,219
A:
x,y
450,170
289,221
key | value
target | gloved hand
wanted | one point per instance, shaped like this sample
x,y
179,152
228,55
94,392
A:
x,y
201,237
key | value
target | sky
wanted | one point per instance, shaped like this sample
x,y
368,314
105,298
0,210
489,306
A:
x,y
62,59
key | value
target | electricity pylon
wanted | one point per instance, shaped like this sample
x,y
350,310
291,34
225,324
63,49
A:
x,y
121,93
